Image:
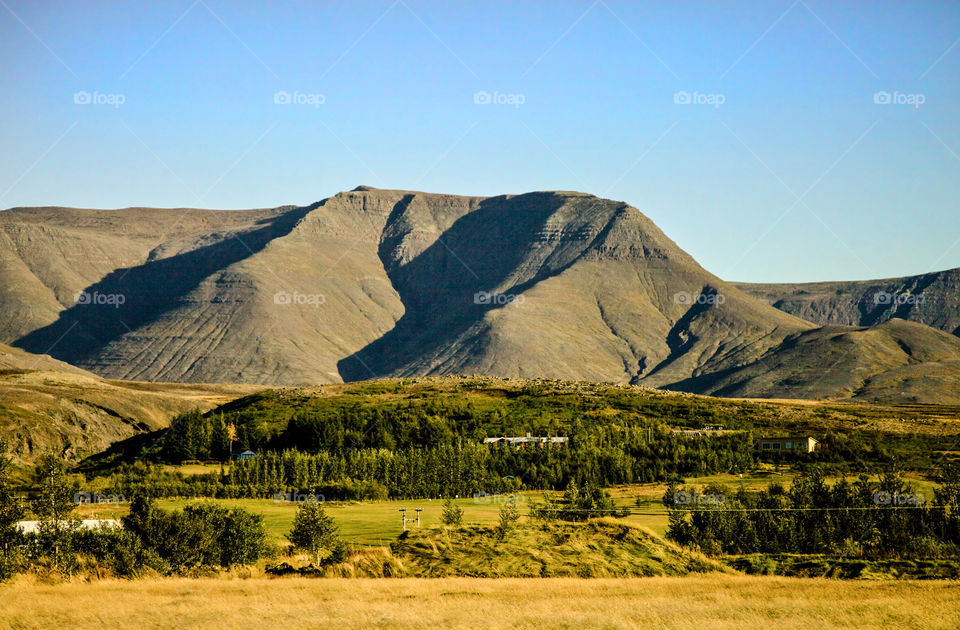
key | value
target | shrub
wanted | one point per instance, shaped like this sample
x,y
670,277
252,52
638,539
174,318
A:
x,y
509,515
199,535
579,504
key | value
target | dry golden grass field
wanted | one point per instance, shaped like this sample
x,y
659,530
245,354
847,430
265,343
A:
x,y
695,603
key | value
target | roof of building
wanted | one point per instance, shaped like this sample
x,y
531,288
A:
x,y
523,440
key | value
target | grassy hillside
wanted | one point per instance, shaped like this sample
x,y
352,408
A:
x,y
75,414
460,411
600,548
508,406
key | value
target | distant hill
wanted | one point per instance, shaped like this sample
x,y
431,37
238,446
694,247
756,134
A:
x,y
16,360
50,407
896,361
373,283
932,299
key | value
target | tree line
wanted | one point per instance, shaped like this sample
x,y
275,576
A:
x,y
603,456
862,518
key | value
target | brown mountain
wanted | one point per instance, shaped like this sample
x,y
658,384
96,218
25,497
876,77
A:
x,y
932,299
385,282
896,361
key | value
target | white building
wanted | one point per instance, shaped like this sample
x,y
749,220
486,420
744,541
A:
x,y
522,442
32,527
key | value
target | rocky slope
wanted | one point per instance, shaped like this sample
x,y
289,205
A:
x,y
932,299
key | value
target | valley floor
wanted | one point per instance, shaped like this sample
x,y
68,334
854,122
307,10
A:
x,y
714,601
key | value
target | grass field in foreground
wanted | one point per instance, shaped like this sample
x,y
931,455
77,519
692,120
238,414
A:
x,y
693,603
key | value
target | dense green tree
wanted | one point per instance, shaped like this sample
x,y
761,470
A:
x,y
54,504
866,519
315,532
11,511
578,504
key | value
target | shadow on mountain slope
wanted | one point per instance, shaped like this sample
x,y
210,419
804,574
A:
x,y
128,298
483,251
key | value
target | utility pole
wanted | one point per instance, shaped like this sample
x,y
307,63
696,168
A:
x,y
403,515
418,517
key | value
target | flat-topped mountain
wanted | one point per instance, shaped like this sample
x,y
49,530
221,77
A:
x,y
372,283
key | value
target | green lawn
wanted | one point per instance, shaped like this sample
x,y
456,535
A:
x,y
378,522
197,469
366,523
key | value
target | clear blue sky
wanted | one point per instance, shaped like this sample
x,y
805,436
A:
x,y
879,184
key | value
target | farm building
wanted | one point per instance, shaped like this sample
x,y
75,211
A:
x,y
804,444
709,430
33,527
523,442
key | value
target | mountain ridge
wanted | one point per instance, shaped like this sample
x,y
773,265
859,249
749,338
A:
x,y
375,283
931,298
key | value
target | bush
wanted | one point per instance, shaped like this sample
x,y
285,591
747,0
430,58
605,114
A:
x,y
579,504
199,535
509,515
